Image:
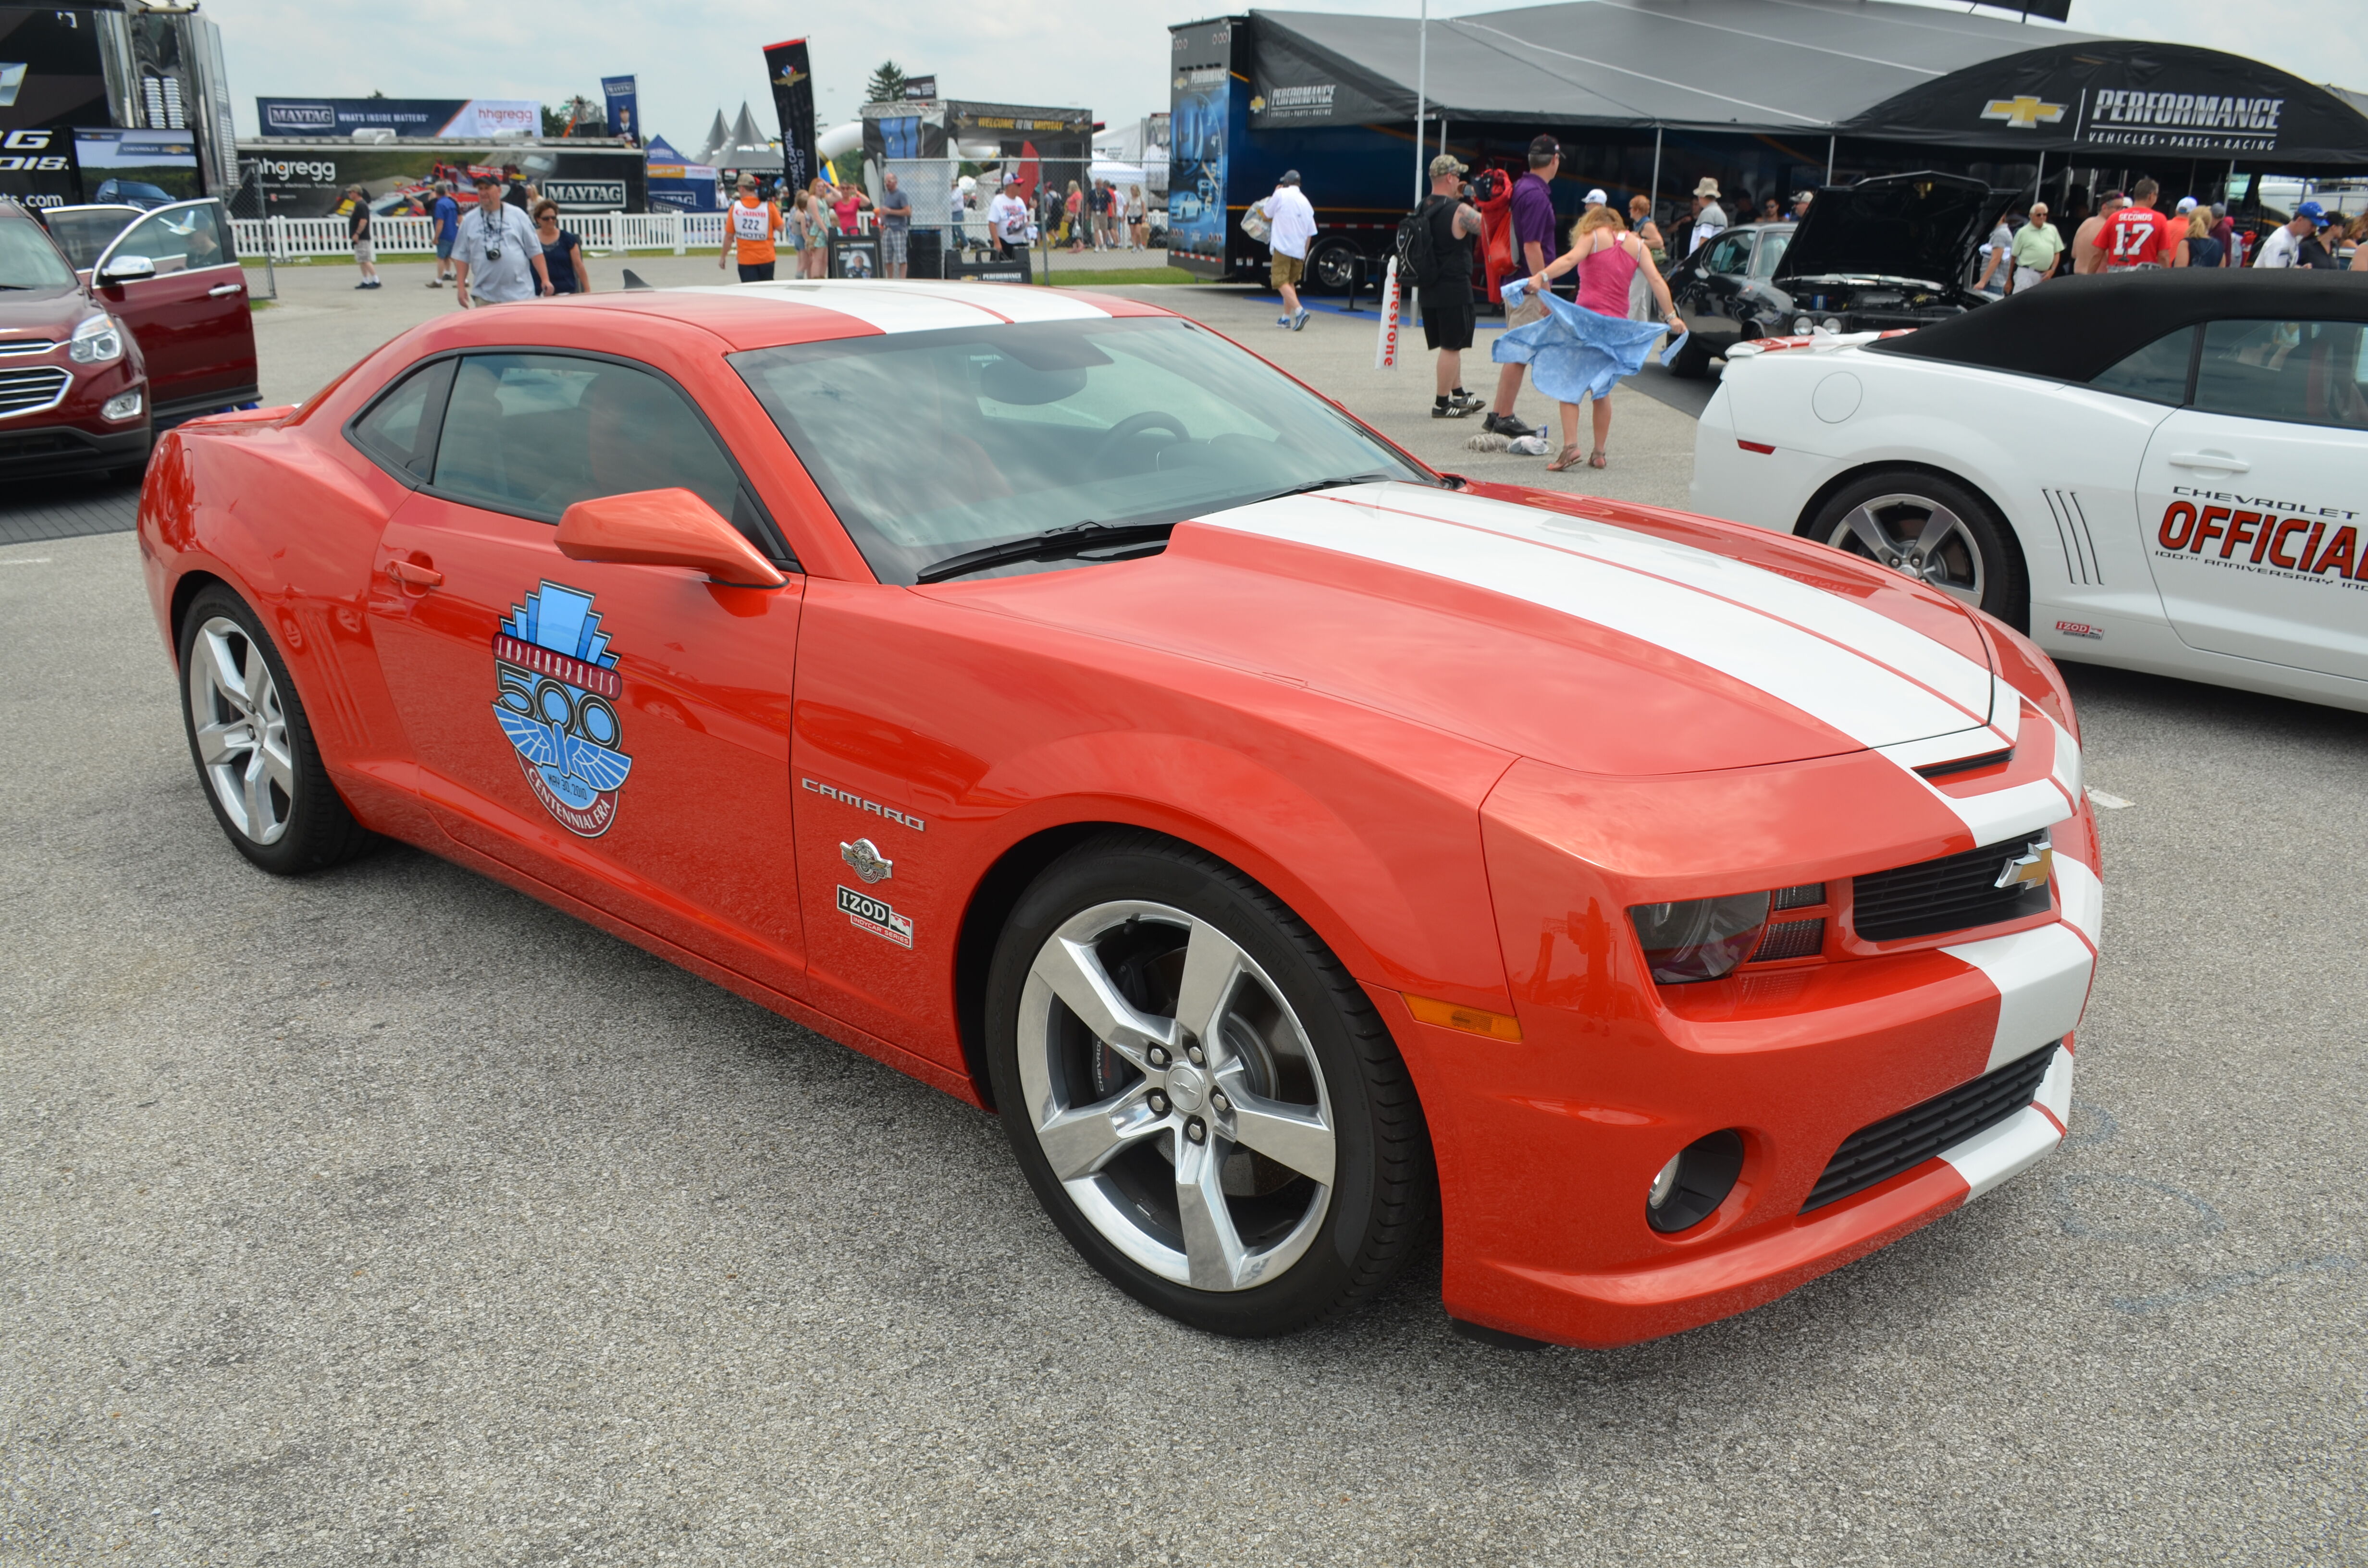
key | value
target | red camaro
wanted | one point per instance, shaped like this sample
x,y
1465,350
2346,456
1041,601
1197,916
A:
x,y
1055,702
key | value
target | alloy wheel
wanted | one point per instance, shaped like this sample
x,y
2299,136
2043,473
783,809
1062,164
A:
x,y
1919,538
241,730
1174,1093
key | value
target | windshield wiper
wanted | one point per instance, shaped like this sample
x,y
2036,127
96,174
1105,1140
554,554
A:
x,y
1053,544
1315,484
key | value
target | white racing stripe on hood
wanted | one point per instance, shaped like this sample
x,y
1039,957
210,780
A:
x,y
1701,607
892,306
1865,631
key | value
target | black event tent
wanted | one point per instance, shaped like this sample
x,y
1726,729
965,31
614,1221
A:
x,y
1898,82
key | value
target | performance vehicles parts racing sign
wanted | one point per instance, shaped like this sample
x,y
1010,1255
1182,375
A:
x,y
2263,534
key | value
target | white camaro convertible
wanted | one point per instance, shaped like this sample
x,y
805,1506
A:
x,y
2164,469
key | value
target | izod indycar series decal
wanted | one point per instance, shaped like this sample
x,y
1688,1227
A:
x,y
869,913
2248,533
555,687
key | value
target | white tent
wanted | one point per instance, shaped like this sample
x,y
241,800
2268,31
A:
x,y
1118,173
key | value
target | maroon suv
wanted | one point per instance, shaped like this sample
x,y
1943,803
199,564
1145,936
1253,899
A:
x,y
159,331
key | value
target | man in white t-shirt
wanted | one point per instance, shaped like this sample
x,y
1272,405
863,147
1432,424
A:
x,y
2284,247
497,255
1291,225
1007,216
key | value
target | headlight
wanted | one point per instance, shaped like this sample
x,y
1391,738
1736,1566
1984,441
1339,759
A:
x,y
1802,326
98,340
1833,324
1702,939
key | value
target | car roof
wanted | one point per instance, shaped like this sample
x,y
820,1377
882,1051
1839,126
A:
x,y
2077,327
764,315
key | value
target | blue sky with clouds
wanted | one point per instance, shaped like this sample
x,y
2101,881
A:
x,y
1108,57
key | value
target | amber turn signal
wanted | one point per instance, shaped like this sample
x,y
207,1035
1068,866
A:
x,y
1470,1020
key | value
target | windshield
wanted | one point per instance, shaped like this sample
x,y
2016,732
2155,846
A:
x,y
82,232
930,444
28,260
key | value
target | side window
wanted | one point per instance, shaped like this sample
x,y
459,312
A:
x,y
1771,254
2156,373
2302,373
399,430
533,433
1729,253
179,239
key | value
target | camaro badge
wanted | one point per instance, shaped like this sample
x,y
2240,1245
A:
x,y
868,913
863,857
555,687
2030,869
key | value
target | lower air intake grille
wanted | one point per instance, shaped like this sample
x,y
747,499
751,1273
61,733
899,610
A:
x,y
1876,1153
1952,893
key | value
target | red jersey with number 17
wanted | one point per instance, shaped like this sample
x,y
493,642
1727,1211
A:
x,y
2138,236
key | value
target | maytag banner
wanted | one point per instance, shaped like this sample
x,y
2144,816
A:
x,y
405,116
623,94
309,182
2129,100
792,76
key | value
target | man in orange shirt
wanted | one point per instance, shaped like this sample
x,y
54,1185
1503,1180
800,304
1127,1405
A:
x,y
2138,236
750,224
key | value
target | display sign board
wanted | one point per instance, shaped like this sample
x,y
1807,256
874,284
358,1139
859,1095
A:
x,y
137,166
1207,115
406,116
791,74
1294,84
50,80
623,94
920,89
309,182
2129,101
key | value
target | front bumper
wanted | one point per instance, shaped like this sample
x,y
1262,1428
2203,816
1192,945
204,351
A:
x,y
74,437
1546,1148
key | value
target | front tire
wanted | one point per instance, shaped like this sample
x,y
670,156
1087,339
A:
x,y
248,735
1933,528
1200,1095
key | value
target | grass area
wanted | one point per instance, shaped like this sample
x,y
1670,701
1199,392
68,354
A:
x,y
1121,276
260,304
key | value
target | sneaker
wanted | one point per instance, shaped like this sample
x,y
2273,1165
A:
x,y
435,283
1299,321
1508,425
1283,321
365,283
1463,403
1450,410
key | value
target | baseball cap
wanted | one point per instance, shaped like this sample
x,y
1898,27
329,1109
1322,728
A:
x,y
1290,176
1597,195
1447,164
2315,212
1546,147
2187,204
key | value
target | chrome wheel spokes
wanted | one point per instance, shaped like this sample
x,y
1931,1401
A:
x,y
1919,538
242,731
1174,1093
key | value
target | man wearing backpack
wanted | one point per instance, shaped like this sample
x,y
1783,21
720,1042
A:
x,y
1435,246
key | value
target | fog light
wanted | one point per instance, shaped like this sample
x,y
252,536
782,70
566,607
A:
x,y
123,405
1695,1182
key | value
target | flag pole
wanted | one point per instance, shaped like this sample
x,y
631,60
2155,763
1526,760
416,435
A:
x,y
1421,87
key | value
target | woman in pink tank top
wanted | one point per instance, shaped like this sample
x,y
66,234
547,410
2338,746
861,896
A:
x,y
1607,257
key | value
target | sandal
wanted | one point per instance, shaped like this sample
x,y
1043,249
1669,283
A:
x,y
1569,459
1595,458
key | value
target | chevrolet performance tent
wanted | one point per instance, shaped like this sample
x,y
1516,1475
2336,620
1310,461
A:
x,y
1769,96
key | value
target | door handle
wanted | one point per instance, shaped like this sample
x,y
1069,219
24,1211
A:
x,y
218,291
2209,460
412,575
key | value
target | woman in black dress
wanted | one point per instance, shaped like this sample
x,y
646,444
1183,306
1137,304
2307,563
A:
x,y
562,251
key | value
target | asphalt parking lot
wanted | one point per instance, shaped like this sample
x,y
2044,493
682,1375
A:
x,y
389,1217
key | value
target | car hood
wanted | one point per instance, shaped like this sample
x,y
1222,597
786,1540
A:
x,y
1924,226
1602,640
51,313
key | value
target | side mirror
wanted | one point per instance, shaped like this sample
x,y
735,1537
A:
x,y
128,270
664,527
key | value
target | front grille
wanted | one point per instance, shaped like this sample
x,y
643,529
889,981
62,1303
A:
x,y
1874,1154
13,347
1952,893
23,392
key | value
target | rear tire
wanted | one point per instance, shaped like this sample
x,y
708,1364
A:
x,y
1933,528
1281,1174
253,747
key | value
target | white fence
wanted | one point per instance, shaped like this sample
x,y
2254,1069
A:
x,y
284,239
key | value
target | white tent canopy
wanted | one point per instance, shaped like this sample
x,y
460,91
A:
x,y
1119,173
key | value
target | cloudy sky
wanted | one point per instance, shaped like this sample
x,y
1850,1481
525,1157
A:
x,y
1108,55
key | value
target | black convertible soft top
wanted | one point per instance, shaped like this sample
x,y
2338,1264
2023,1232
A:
x,y
2070,329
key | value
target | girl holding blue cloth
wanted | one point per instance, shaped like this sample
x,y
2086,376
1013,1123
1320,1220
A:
x,y
1583,350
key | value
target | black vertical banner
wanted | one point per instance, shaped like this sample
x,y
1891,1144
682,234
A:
x,y
792,79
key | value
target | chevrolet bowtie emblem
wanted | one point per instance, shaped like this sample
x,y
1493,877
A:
x,y
2024,112
2032,867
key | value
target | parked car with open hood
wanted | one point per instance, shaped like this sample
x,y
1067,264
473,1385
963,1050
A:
x,y
1887,253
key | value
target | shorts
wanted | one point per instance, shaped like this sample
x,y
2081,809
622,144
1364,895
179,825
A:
x,y
1522,314
1448,322
1286,269
893,243
755,272
444,250
364,252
